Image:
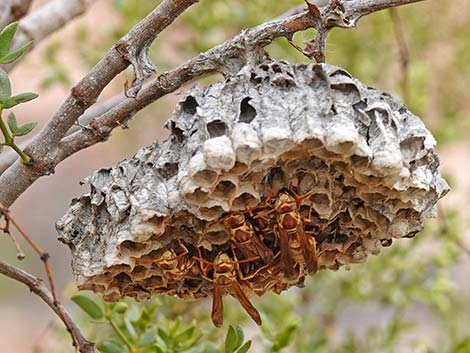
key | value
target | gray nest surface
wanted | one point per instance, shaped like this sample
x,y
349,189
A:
x,y
367,164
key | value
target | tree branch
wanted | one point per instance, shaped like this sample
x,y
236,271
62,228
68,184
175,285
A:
x,y
13,10
48,150
38,287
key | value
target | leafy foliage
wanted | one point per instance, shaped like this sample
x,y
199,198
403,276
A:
x,y
143,328
6,99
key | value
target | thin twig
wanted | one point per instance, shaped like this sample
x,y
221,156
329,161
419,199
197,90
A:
x,y
44,256
403,51
37,286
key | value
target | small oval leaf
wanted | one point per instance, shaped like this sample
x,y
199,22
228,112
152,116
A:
x,y
5,85
110,346
245,347
10,102
231,340
89,306
130,328
6,37
240,336
12,123
14,55
25,129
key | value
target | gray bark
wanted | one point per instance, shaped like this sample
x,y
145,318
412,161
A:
x,y
369,162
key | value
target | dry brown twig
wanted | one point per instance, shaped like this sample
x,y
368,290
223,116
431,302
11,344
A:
x,y
404,52
37,286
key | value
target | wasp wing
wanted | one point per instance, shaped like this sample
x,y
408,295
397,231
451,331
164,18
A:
x,y
217,306
287,263
245,302
309,250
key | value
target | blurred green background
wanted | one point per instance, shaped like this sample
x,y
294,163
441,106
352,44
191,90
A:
x,y
413,297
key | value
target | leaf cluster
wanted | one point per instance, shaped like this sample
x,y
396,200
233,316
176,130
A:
x,y
7,100
142,328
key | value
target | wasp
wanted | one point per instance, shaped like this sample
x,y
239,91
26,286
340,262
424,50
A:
x,y
227,277
296,247
246,239
176,268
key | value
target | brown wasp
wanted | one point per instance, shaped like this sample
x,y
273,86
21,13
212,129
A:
x,y
296,247
246,239
175,267
227,277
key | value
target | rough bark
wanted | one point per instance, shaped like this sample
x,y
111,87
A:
x,y
369,163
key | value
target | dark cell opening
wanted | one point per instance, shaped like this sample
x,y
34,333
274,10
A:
x,y
264,67
276,68
131,246
386,242
217,128
176,132
361,105
124,277
247,112
189,105
169,170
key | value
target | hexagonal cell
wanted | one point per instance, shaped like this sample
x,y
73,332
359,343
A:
x,y
321,203
216,128
139,272
239,168
219,153
225,188
245,199
198,197
205,177
210,213
131,248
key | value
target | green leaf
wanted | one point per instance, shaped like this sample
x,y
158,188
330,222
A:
x,y
1,147
175,325
240,336
110,346
186,334
148,337
12,123
89,306
9,102
284,337
130,328
245,347
15,55
6,37
231,340
5,85
462,346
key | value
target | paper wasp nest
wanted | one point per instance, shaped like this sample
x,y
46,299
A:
x,y
365,163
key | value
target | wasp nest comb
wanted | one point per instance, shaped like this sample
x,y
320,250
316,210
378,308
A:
x,y
274,174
